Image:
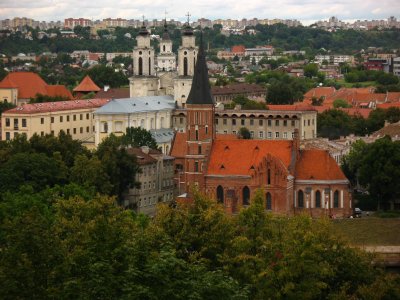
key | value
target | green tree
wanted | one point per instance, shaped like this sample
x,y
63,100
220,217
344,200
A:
x,y
341,103
311,70
333,124
244,133
138,137
103,75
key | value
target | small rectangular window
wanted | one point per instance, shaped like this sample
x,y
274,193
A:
x,y
233,121
8,137
251,122
81,130
277,134
261,134
52,120
61,119
74,117
41,120
224,121
74,130
242,122
67,118
87,116
285,123
87,129
260,122
293,122
23,122
7,122
276,122
269,123
80,117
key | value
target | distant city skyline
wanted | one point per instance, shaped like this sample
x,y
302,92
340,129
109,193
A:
x,y
306,11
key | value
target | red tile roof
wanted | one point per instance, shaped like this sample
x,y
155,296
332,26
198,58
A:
x,y
320,92
317,165
29,84
58,90
56,106
114,93
87,85
236,157
178,147
6,83
288,107
387,105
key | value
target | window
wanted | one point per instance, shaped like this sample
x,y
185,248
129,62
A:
x,y
225,132
74,130
246,196
8,122
292,135
216,121
233,121
8,136
81,130
224,121
52,120
336,199
252,134
74,117
260,122
68,131
300,198
317,199
277,134
199,149
196,166
61,119
52,132
268,201
285,135
180,120
87,117
15,123
261,134
276,122
206,129
220,194
67,118
293,122
23,122
269,135
269,123
104,127
234,131
309,123
42,133
80,117
197,135
251,122
242,122
41,120
285,123
269,176
87,129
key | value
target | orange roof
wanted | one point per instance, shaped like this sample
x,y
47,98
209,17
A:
x,y
58,90
288,107
320,92
393,96
363,112
238,49
317,165
387,105
29,84
236,157
178,147
56,106
87,85
6,83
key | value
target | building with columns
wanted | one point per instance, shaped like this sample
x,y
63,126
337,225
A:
x,y
231,170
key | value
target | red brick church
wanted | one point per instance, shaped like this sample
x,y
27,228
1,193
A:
x,y
231,169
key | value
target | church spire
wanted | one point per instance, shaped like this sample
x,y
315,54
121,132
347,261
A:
x,y
200,93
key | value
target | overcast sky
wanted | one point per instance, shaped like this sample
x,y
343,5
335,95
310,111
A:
x,y
304,10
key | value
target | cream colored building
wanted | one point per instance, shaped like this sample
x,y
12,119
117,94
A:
x,y
73,117
150,113
262,124
156,181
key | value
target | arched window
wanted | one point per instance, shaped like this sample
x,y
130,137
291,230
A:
x,y
163,48
220,194
269,201
246,196
317,199
149,66
140,66
336,199
185,66
269,176
300,198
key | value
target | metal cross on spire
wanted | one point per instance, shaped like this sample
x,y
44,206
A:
x,y
188,17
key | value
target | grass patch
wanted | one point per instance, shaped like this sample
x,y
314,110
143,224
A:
x,y
388,214
370,231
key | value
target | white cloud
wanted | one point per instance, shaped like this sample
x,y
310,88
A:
x,y
284,9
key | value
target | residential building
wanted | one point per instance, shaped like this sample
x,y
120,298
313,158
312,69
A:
x,y
73,117
156,181
226,94
72,22
19,87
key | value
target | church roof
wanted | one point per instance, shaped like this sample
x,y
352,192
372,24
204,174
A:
x,y
187,30
165,35
137,104
143,30
200,92
87,85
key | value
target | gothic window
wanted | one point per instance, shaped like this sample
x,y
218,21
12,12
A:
x,y
163,47
268,201
317,199
246,196
300,198
220,194
336,199
197,135
185,67
140,66
269,176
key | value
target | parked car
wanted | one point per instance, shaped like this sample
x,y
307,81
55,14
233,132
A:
x,y
357,212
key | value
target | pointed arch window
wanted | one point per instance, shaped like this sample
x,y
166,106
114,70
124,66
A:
x,y
185,66
140,66
246,195
268,201
300,198
149,66
220,194
336,199
317,199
